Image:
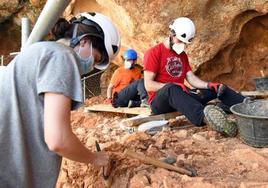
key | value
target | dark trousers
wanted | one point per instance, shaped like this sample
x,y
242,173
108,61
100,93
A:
x,y
172,98
135,91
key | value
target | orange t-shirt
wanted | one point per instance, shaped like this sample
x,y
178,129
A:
x,y
123,77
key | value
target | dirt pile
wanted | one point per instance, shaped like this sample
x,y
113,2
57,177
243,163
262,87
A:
x,y
219,161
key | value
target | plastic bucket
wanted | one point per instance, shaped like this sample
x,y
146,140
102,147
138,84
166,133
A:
x,y
252,121
261,83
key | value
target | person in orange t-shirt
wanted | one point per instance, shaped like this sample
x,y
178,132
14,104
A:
x,y
127,87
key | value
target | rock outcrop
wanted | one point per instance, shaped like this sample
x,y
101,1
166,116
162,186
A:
x,y
231,44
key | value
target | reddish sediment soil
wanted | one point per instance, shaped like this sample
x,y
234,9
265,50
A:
x,y
219,161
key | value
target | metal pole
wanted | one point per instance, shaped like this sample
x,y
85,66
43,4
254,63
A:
x,y
25,31
2,60
84,89
50,14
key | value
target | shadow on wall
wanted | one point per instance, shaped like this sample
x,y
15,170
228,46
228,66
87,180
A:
x,y
237,64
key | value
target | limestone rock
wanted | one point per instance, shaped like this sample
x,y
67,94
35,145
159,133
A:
x,y
7,8
224,49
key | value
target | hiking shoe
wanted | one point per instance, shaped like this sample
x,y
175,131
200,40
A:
x,y
132,104
224,107
247,100
144,103
217,120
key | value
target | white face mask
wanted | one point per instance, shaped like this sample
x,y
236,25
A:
x,y
128,64
178,47
86,64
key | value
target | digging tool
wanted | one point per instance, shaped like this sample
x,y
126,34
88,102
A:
x,y
158,163
106,171
197,92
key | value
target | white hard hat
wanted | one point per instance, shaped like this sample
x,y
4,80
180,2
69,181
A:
x,y
184,29
111,36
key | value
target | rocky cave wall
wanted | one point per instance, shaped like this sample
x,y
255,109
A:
x,y
230,45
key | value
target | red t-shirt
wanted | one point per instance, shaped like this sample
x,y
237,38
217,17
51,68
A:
x,y
168,66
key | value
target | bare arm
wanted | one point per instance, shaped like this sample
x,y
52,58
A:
x,y
110,91
150,84
195,81
58,133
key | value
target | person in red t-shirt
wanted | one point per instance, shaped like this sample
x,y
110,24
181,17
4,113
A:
x,y
166,66
127,87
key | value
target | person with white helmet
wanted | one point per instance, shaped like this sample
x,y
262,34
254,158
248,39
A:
x,y
166,67
39,88
127,87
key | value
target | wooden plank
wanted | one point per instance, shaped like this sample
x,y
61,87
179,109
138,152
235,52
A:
x,y
254,93
124,110
135,122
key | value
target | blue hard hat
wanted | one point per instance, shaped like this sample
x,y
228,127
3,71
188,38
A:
x,y
130,54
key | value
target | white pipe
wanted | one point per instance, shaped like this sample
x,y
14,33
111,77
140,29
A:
x,y
84,90
13,54
2,60
25,30
47,19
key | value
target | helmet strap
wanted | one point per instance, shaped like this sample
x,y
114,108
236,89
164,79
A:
x,y
171,42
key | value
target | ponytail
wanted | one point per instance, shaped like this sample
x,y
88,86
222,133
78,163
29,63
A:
x,y
62,29
65,29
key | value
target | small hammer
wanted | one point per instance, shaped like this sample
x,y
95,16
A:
x,y
105,171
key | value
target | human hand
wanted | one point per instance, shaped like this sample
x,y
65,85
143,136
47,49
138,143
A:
x,y
183,87
100,159
213,86
108,100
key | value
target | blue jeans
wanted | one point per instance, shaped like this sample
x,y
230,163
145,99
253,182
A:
x,y
172,98
134,91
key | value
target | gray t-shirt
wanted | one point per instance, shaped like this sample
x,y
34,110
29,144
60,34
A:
x,y
25,160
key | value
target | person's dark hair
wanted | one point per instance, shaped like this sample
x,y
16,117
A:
x,y
60,28
64,29
98,44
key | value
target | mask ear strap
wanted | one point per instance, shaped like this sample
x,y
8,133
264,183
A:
x,y
91,48
74,41
75,31
79,50
170,43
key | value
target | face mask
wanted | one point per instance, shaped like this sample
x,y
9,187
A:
x,y
178,47
128,64
86,64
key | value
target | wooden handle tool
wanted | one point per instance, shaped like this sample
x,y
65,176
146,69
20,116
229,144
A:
x,y
157,163
106,171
